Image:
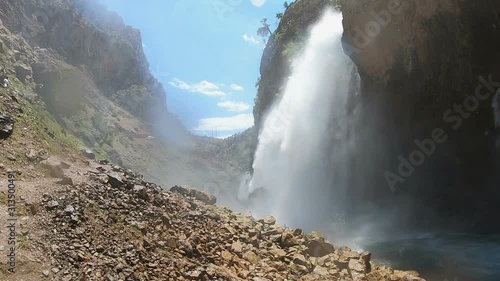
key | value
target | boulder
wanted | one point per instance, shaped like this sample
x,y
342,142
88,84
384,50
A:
x,y
23,72
65,181
55,166
317,246
115,180
269,220
6,126
87,153
204,197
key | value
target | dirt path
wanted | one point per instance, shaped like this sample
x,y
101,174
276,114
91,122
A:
x,y
31,185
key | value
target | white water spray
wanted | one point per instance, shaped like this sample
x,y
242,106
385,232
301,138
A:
x,y
292,177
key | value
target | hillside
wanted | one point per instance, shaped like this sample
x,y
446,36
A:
x,y
89,71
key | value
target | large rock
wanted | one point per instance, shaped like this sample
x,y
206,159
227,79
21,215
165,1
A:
x,y
87,153
6,126
23,72
204,197
55,167
317,246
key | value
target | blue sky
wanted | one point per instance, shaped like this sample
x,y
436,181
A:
x,y
207,55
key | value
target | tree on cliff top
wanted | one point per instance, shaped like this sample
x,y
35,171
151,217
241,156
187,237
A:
x,y
264,31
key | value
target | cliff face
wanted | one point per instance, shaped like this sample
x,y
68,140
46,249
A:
x,y
420,64
84,34
426,68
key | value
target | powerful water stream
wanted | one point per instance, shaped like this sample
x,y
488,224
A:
x,y
290,161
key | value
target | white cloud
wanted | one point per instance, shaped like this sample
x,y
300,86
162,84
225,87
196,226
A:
x,y
222,124
258,3
204,87
234,106
235,87
250,39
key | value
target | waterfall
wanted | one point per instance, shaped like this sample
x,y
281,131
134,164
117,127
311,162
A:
x,y
294,166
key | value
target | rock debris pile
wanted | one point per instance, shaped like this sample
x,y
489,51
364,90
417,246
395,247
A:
x,y
117,226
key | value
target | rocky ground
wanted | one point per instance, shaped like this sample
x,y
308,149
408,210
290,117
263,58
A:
x,y
96,221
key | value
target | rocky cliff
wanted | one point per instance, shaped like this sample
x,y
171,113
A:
x,y
85,34
424,66
427,67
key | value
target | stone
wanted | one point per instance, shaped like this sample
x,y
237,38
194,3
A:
x,y
55,166
65,181
299,259
237,247
23,72
319,248
251,257
204,197
52,204
69,209
269,220
172,242
297,232
321,271
6,126
115,180
227,256
358,266
278,253
87,153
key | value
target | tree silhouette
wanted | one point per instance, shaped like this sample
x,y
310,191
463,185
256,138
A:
x,y
264,31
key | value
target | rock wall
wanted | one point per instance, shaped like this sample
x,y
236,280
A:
x,y
84,34
421,64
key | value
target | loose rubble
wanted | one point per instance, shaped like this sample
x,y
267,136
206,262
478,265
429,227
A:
x,y
117,226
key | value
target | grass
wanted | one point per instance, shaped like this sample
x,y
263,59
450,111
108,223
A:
x,y
23,241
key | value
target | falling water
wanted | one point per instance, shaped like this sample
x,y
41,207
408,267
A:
x,y
292,177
